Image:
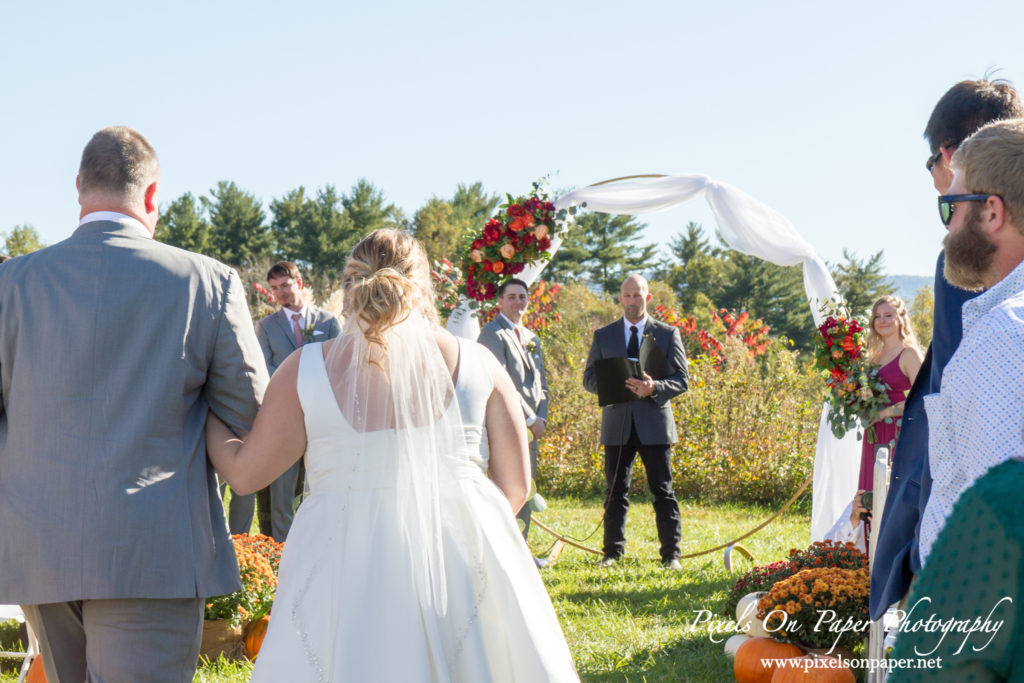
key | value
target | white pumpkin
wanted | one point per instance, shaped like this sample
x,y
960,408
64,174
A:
x,y
746,615
733,644
746,608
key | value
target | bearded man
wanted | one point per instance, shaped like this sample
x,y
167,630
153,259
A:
x,y
976,421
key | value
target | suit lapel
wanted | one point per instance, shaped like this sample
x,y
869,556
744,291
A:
x,y
286,326
510,335
618,341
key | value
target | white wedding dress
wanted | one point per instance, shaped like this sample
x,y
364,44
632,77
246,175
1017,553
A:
x,y
352,602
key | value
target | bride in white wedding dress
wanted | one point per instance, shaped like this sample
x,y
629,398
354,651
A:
x,y
404,563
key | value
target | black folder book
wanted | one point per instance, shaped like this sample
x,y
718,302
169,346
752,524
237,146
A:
x,y
612,374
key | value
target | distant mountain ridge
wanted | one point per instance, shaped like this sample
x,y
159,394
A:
x,y
906,286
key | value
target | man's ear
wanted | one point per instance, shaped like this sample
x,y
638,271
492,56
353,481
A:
x,y
993,214
649,297
299,283
151,197
947,153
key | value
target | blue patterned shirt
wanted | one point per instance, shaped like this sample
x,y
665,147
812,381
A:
x,y
976,421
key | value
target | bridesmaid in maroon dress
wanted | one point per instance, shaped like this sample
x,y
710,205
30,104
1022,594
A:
x,y
891,345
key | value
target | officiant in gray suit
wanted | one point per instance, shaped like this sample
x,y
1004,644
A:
x,y
113,350
518,350
297,323
644,424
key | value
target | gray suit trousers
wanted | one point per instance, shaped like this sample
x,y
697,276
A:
x,y
524,512
115,641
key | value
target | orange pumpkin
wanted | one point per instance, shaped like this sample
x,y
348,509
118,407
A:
x,y
254,634
747,666
813,674
35,671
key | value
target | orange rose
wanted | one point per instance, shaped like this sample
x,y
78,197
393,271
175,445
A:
x,y
507,251
848,344
476,255
541,231
497,267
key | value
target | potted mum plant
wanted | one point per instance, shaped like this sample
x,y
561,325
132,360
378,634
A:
x,y
230,618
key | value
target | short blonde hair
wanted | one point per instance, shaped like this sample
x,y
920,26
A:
x,y
992,162
386,279
906,331
119,162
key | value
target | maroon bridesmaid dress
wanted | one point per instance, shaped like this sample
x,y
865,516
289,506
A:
x,y
885,434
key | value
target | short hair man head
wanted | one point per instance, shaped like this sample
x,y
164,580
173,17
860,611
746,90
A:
x,y
120,172
984,209
965,108
634,296
513,299
286,285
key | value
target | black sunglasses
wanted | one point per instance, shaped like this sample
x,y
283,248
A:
x,y
932,160
948,201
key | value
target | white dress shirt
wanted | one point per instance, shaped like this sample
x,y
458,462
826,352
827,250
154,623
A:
x,y
115,216
976,421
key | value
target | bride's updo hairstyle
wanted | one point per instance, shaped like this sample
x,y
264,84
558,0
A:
x,y
386,279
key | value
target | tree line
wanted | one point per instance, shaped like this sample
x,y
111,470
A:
x,y
318,228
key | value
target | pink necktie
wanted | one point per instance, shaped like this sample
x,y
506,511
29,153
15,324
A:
x,y
296,329
519,337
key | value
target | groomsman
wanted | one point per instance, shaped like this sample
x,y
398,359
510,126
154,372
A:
x,y
279,334
114,348
518,350
645,425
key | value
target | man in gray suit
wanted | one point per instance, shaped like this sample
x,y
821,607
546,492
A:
x,y
518,350
113,349
279,335
645,425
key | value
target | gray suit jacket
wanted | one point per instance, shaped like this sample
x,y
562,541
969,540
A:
x,y
652,416
113,347
526,368
278,341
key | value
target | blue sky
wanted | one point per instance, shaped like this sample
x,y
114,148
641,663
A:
x,y
814,108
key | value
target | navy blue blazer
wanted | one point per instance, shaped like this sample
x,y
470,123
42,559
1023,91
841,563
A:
x,y
896,551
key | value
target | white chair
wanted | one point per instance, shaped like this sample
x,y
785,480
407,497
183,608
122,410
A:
x,y
876,638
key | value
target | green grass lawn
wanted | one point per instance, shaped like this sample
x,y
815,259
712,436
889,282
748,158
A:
x,y
633,622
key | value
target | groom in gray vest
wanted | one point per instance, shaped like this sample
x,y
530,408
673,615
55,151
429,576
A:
x,y
113,350
518,351
297,323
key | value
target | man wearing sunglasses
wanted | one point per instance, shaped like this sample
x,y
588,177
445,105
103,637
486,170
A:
x,y
976,419
965,107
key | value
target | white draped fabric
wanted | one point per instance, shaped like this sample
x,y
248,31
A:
x,y
751,227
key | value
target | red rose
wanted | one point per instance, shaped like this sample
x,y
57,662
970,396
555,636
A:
x,y
487,265
544,244
492,233
478,243
515,210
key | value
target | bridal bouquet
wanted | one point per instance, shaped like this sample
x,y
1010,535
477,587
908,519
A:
x,y
855,392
